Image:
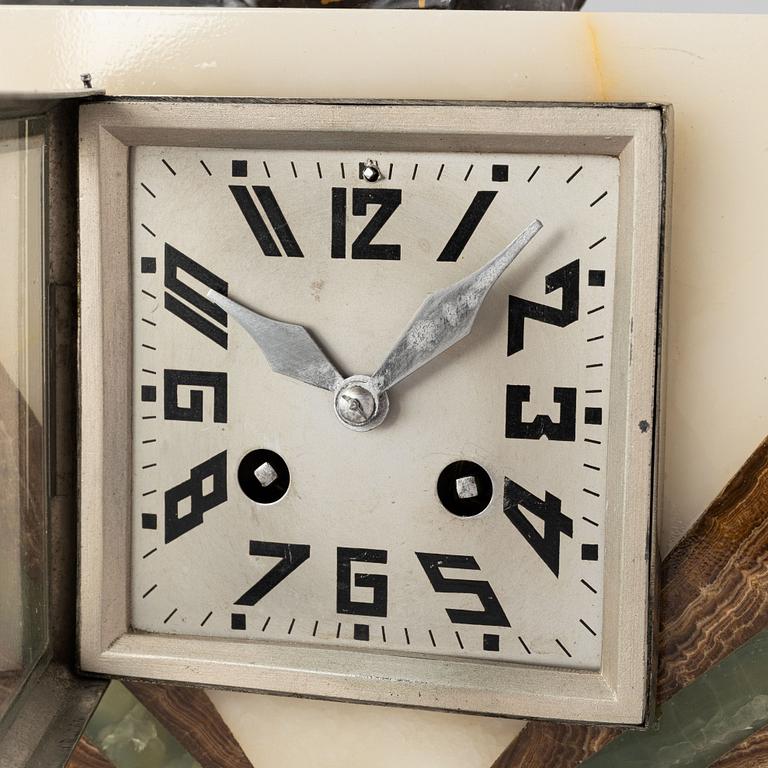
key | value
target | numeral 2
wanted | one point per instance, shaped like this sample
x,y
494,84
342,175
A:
x,y
492,614
547,547
210,316
291,557
565,278
215,470
362,248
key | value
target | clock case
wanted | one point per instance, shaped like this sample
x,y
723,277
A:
x,y
639,136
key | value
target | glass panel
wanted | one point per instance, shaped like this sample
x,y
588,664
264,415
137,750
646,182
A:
x,y
130,736
23,549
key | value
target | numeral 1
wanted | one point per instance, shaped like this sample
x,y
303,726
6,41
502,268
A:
x,y
467,226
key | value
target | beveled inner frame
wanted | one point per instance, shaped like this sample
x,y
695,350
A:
x,y
635,134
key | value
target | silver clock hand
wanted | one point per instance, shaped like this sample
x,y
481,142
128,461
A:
x,y
289,348
447,316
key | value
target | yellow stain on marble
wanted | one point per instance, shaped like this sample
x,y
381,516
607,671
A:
x,y
597,59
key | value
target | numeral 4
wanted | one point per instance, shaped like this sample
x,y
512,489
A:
x,y
547,547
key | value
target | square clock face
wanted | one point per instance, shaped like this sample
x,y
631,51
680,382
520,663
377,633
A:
x,y
369,398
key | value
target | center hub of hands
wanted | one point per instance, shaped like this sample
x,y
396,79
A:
x,y
359,404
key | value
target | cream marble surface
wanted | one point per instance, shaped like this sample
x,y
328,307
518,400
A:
x,y
712,68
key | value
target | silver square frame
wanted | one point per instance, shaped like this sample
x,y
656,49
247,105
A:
x,y
638,135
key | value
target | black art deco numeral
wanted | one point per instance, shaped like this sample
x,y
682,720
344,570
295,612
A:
x,y
291,556
258,226
377,582
388,201
541,425
467,226
565,278
492,614
173,379
547,547
215,470
210,316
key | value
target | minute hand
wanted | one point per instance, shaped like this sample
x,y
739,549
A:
x,y
447,316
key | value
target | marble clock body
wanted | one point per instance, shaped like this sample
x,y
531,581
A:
x,y
356,578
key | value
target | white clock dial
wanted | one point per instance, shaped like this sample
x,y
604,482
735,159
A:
x,y
470,521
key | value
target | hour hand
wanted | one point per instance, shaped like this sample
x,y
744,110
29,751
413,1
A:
x,y
289,348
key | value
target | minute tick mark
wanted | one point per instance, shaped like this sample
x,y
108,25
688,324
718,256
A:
x,y
535,171
149,230
589,586
148,189
522,642
149,591
469,170
597,200
565,650
596,309
168,166
440,172
597,242
170,616
588,628
574,175
203,622
146,555
208,171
